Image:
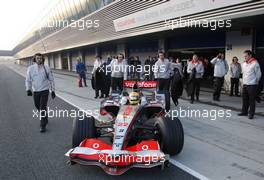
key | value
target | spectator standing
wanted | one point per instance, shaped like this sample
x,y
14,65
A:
x,y
176,88
107,76
98,75
195,70
251,76
147,69
220,70
162,72
235,73
152,65
119,72
81,70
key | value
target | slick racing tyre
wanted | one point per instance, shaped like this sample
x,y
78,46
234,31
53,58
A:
x,y
82,129
170,135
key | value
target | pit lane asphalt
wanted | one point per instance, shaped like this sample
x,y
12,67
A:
x,y
25,153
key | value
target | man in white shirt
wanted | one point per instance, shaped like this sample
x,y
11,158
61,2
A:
x,y
40,80
98,76
220,70
163,72
251,76
196,70
235,72
118,72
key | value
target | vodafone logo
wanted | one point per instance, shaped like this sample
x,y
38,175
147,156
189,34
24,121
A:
x,y
143,84
96,145
145,147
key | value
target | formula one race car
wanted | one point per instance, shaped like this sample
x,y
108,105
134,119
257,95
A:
x,y
132,130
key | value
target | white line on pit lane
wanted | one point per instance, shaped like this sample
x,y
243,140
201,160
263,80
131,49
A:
x,y
172,161
188,170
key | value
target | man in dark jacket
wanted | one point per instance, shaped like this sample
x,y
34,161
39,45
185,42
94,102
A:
x,y
99,77
81,70
176,83
107,77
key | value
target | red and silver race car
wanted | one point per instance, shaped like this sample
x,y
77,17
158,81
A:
x,y
133,130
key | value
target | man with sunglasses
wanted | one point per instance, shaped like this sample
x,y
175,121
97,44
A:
x,y
40,80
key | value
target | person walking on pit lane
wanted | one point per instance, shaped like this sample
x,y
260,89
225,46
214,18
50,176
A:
x,y
251,76
40,79
220,70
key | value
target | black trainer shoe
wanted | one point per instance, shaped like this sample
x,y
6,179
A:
x,y
242,114
42,129
251,116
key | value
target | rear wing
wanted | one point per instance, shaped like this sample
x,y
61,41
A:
x,y
141,84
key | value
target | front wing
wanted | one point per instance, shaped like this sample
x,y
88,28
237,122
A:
x,y
146,154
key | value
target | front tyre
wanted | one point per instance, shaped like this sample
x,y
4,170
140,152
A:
x,y
170,135
82,129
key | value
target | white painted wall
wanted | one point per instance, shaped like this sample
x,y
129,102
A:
x,y
75,55
51,62
239,44
57,59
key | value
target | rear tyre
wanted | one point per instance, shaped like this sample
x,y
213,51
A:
x,y
82,129
170,135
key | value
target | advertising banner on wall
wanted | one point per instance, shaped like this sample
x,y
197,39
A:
x,y
169,10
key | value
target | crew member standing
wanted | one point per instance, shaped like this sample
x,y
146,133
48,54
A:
x,y
235,72
107,76
40,80
220,70
196,70
251,76
81,70
98,76
119,72
176,87
162,72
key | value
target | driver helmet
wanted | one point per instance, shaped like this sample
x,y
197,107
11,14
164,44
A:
x,y
134,98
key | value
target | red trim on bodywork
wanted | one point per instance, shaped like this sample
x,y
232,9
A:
x,y
122,160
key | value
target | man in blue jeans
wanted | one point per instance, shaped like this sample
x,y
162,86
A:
x,y
81,70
